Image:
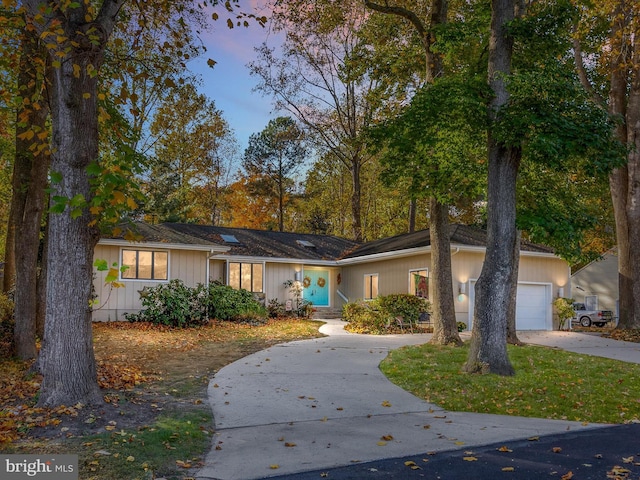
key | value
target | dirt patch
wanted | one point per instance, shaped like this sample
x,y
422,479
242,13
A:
x,y
144,372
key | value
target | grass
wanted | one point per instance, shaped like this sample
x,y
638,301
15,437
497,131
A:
x,y
174,443
549,383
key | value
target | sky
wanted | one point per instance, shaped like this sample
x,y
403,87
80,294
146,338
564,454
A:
x,y
228,83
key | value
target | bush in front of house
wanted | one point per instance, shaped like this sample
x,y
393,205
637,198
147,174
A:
x,y
376,316
227,303
173,304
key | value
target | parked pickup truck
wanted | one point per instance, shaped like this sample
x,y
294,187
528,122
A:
x,y
586,318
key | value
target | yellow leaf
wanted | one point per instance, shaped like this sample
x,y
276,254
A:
x,y
381,443
388,438
627,459
289,444
130,458
556,449
386,403
508,469
110,427
118,197
76,70
131,203
459,443
504,448
275,466
28,135
101,96
533,439
409,463
86,95
567,476
470,459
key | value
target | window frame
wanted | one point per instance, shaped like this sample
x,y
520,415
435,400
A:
x,y
368,282
137,278
411,286
251,275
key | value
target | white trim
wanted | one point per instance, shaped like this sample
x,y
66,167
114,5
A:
x,y
162,246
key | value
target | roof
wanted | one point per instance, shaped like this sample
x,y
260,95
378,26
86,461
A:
x,y
459,235
247,242
303,246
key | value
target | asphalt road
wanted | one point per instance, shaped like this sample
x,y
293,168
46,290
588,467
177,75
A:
x,y
606,453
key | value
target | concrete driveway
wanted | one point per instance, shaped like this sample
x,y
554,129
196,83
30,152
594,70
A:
x,y
323,403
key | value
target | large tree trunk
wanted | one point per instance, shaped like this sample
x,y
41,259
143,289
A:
x,y
443,315
488,352
67,359
624,182
30,172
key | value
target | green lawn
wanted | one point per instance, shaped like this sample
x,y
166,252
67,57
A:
x,y
549,383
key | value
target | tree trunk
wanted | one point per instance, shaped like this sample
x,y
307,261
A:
x,y
624,181
67,360
413,206
30,172
488,352
443,315
356,199
512,335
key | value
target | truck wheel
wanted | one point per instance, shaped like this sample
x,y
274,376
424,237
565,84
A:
x,y
585,321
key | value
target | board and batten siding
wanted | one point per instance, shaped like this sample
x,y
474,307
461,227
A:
x,y
188,266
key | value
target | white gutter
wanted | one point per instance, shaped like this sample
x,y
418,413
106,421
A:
x,y
164,246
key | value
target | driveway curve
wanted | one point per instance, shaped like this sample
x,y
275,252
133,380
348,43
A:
x,y
322,403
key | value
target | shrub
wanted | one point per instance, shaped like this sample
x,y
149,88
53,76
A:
x,y
7,324
173,304
227,303
564,309
404,305
376,316
364,317
275,308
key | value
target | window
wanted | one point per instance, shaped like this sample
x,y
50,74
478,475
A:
x,y
145,265
370,286
246,275
419,283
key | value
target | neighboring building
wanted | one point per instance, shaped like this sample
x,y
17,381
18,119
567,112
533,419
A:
x,y
332,270
596,284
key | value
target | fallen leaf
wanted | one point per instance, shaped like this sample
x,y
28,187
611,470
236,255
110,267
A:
x,y
130,458
386,403
533,439
470,459
381,443
556,449
504,448
289,444
275,466
426,427
598,455
386,437
508,469
182,464
627,459
567,476
459,443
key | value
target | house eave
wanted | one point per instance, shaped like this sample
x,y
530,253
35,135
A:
x,y
163,246
427,249
257,259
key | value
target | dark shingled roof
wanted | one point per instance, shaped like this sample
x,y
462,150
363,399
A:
x,y
254,243
305,246
460,235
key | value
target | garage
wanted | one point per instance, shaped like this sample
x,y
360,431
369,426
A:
x,y
533,306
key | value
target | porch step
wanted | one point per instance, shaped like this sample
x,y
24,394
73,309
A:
x,y
327,313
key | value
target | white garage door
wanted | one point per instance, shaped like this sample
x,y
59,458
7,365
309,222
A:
x,y
533,306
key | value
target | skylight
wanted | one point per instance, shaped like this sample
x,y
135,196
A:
x,y
305,243
229,238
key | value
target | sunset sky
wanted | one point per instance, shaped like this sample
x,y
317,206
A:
x,y
229,84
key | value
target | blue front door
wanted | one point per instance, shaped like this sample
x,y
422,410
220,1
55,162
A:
x,y
316,287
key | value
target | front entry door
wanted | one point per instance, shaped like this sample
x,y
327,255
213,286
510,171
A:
x,y
316,287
